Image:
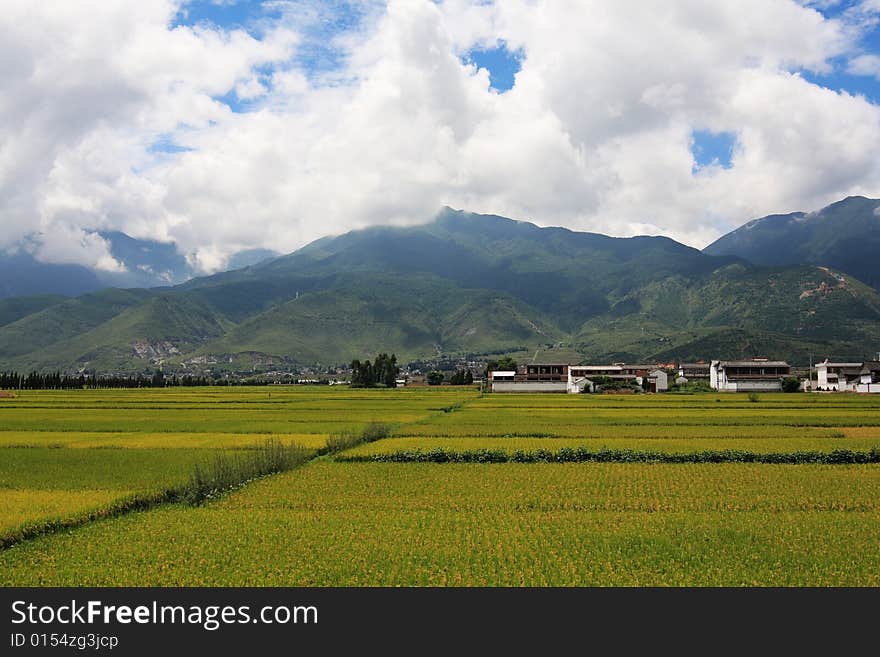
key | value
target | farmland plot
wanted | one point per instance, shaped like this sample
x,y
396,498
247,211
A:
x,y
336,522
537,524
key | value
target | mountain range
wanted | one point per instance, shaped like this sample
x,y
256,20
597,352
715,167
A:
x,y
467,284
844,236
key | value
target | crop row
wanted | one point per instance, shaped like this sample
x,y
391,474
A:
x,y
657,443
585,430
607,455
475,421
151,440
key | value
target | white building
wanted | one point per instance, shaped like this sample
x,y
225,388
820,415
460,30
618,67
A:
x,y
658,381
574,379
537,378
756,375
848,377
693,372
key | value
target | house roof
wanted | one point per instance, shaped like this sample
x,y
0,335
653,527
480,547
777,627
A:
x,y
694,366
853,369
753,363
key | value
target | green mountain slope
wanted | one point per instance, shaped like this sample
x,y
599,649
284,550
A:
x,y
462,284
161,327
62,321
12,310
843,236
415,316
741,311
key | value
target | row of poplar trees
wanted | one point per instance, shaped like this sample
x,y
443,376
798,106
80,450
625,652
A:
x,y
382,371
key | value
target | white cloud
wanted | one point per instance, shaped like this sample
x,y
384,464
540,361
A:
x,y
596,133
865,65
69,244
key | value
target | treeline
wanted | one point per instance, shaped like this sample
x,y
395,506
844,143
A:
x,y
457,378
58,381
382,371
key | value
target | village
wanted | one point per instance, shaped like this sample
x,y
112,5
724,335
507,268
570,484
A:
x,y
754,375
751,376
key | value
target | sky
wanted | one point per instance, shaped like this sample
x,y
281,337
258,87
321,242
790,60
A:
x,y
223,125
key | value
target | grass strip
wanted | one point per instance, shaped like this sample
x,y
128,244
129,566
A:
x,y
343,440
227,471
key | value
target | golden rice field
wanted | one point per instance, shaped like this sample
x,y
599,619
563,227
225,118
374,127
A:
x,y
333,523
20,506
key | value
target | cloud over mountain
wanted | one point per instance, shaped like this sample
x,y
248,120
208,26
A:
x,y
312,118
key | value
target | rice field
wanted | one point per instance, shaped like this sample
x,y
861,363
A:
x,y
74,451
335,523
22,506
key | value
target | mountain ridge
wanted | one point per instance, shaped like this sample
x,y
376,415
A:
x,y
461,284
844,235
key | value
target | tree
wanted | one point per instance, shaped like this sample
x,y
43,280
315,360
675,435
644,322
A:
x,y
435,378
386,370
461,378
383,370
362,374
791,384
501,364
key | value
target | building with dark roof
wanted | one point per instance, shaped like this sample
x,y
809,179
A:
x,y
848,377
755,375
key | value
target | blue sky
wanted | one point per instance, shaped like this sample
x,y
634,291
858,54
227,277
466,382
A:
x,y
838,79
712,148
501,63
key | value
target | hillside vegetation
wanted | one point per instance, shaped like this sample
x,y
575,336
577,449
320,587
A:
x,y
462,284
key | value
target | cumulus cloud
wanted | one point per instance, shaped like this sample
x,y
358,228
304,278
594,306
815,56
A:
x,y
865,65
112,117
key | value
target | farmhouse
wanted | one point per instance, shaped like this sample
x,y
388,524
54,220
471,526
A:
x,y
658,381
694,372
756,375
534,377
849,377
573,379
